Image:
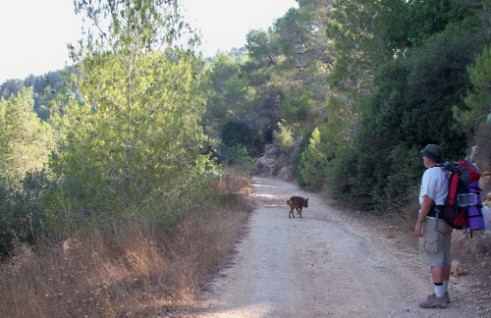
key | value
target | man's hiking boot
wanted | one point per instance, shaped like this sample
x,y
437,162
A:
x,y
446,296
435,302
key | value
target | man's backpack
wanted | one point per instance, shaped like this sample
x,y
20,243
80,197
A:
x,y
462,209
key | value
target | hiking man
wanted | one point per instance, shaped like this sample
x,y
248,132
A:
x,y
435,234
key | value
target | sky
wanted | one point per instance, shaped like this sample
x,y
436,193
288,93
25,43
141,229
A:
x,y
34,33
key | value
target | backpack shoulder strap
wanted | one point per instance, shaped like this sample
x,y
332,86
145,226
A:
x,y
453,183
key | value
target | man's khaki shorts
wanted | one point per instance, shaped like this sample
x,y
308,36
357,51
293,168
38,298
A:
x,y
435,243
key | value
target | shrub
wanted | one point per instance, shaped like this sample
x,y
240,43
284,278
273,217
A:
x,y
101,273
283,137
236,133
238,156
296,156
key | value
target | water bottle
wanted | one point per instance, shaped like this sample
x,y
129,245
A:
x,y
466,199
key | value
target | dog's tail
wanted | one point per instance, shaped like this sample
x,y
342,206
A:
x,y
288,202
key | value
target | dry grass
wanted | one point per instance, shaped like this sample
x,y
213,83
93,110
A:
x,y
133,272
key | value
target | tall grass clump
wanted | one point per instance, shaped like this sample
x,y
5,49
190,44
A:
x,y
151,261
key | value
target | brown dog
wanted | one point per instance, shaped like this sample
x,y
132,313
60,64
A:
x,y
297,202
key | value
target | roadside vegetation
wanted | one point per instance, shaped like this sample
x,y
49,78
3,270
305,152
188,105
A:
x,y
135,268
122,178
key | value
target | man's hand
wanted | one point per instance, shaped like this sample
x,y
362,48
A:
x,y
423,212
418,229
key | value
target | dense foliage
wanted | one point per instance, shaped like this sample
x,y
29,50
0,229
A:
x,y
127,136
348,90
360,86
44,89
411,100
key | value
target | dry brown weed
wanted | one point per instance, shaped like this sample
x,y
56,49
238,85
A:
x,y
135,271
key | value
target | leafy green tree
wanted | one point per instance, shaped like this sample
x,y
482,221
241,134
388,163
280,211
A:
x,y
358,44
10,87
313,165
228,92
44,88
263,48
409,93
138,126
282,78
301,33
241,89
25,141
238,133
427,18
283,138
476,118
412,106
326,143
479,97
304,65
262,108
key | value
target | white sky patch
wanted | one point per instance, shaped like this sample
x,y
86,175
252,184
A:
x,y
224,24
34,36
34,33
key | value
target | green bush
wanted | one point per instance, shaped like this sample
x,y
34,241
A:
x,y
410,106
21,212
283,137
234,133
341,175
404,176
238,156
296,157
476,118
387,180
7,224
358,176
314,161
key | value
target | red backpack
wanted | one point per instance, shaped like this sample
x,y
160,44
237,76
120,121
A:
x,y
463,205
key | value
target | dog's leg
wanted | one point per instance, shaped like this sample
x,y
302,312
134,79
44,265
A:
x,y
291,213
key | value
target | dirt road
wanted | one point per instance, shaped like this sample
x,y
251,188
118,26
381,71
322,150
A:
x,y
326,264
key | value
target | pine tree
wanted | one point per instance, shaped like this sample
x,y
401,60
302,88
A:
x,y
138,126
25,141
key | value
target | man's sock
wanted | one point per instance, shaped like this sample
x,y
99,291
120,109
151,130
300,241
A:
x,y
438,287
